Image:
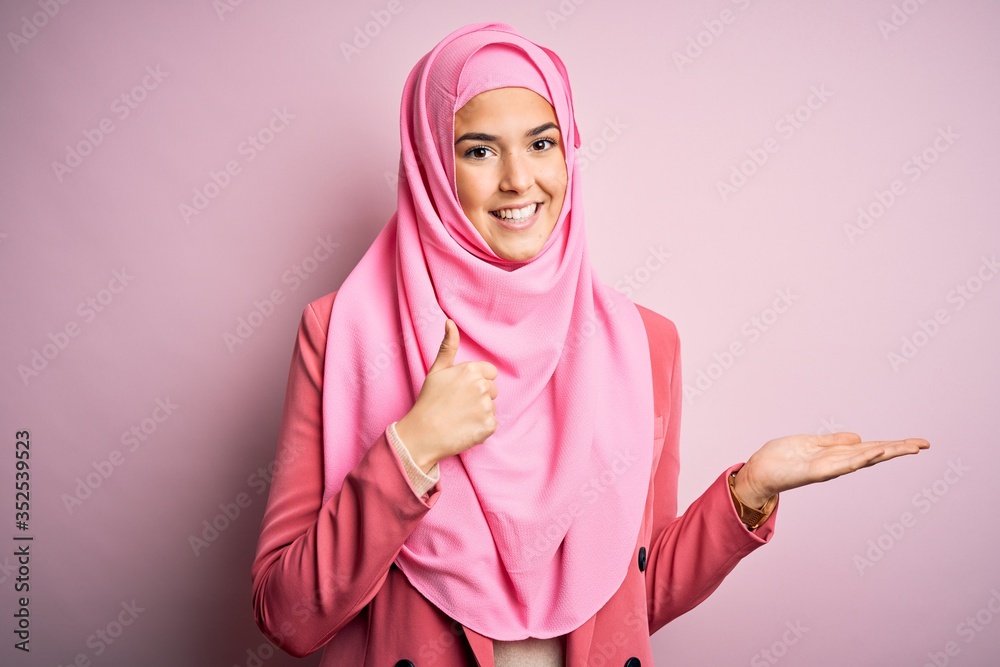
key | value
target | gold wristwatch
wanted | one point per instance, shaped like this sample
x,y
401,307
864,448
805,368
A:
x,y
751,517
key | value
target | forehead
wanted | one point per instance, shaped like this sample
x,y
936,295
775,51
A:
x,y
514,105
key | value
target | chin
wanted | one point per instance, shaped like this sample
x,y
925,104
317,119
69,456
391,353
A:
x,y
518,254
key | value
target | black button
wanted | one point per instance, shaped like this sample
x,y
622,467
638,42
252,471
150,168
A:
x,y
642,559
633,662
404,663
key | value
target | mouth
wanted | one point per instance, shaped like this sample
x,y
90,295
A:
x,y
518,218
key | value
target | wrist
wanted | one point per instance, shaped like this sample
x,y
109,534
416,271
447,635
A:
x,y
414,444
747,490
752,515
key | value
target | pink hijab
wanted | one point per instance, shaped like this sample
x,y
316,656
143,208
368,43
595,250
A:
x,y
535,528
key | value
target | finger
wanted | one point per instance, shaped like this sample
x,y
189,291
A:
x,y
919,442
899,449
449,348
890,448
865,458
884,446
488,387
879,454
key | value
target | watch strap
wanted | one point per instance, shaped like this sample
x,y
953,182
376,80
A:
x,y
750,516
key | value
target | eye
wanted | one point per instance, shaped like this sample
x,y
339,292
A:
x,y
473,153
542,141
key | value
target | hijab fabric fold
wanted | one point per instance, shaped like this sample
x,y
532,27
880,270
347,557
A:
x,y
534,529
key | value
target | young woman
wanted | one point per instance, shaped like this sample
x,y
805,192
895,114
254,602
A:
x,y
478,456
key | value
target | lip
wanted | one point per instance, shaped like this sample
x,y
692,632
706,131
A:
x,y
518,225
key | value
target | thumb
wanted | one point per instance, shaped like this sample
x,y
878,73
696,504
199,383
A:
x,y
449,347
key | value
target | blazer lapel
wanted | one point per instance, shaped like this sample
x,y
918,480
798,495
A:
x,y
578,642
481,646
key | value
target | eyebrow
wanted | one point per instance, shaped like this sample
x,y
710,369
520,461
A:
x,y
480,136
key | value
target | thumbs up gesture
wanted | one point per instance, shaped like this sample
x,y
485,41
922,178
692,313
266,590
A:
x,y
454,410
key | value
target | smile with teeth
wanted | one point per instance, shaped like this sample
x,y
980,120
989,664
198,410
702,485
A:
x,y
515,213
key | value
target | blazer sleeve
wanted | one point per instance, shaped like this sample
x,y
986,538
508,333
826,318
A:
x,y
690,555
318,565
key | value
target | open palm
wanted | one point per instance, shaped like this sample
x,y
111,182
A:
x,y
796,460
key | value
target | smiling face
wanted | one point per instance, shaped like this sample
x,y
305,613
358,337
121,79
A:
x,y
510,169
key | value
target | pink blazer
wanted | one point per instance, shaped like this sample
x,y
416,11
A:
x,y
325,577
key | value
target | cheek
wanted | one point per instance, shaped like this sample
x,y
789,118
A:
x,y
555,181
470,186
462,187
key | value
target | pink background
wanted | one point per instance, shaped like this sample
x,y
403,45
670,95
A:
x,y
661,137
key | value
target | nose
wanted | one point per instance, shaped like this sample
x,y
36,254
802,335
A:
x,y
515,174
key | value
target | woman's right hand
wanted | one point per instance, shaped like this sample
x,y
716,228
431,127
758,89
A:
x,y
454,410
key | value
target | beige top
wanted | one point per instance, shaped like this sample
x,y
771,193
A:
x,y
530,652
